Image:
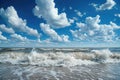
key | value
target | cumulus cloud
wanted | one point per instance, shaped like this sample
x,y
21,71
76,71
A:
x,y
109,4
12,19
19,37
46,9
78,13
7,30
53,34
92,30
2,37
65,38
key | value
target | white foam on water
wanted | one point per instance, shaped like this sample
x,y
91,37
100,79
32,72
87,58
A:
x,y
102,55
60,58
106,56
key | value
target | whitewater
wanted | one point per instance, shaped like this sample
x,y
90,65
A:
x,y
59,63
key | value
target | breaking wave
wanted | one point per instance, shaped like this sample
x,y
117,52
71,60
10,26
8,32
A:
x,y
58,57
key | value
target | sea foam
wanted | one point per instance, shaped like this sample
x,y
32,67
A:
x,y
59,57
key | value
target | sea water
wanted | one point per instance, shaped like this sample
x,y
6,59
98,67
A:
x,y
60,64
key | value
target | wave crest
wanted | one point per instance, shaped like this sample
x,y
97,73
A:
x,y
59,58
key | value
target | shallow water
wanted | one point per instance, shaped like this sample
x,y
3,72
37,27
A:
x,y
83,72
59,64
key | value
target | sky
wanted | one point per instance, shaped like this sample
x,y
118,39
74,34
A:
x,y
59,23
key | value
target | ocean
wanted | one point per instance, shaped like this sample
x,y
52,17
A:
x,y
59,63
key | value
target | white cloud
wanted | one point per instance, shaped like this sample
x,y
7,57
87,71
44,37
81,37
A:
x,y
46,9
11,17
50,32
117,15
19,37
5,29
78,13
75,18
92,30
53,34
65,38
109,4
2,37
71,21
80,25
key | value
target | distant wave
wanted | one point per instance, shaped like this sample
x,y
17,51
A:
x,y
57,57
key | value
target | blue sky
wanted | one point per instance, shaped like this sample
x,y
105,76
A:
x,y
59,23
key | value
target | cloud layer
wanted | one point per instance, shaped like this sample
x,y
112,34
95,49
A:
x,y
60,23
109,4
5,29
12,19
53,34
92,30
19,37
